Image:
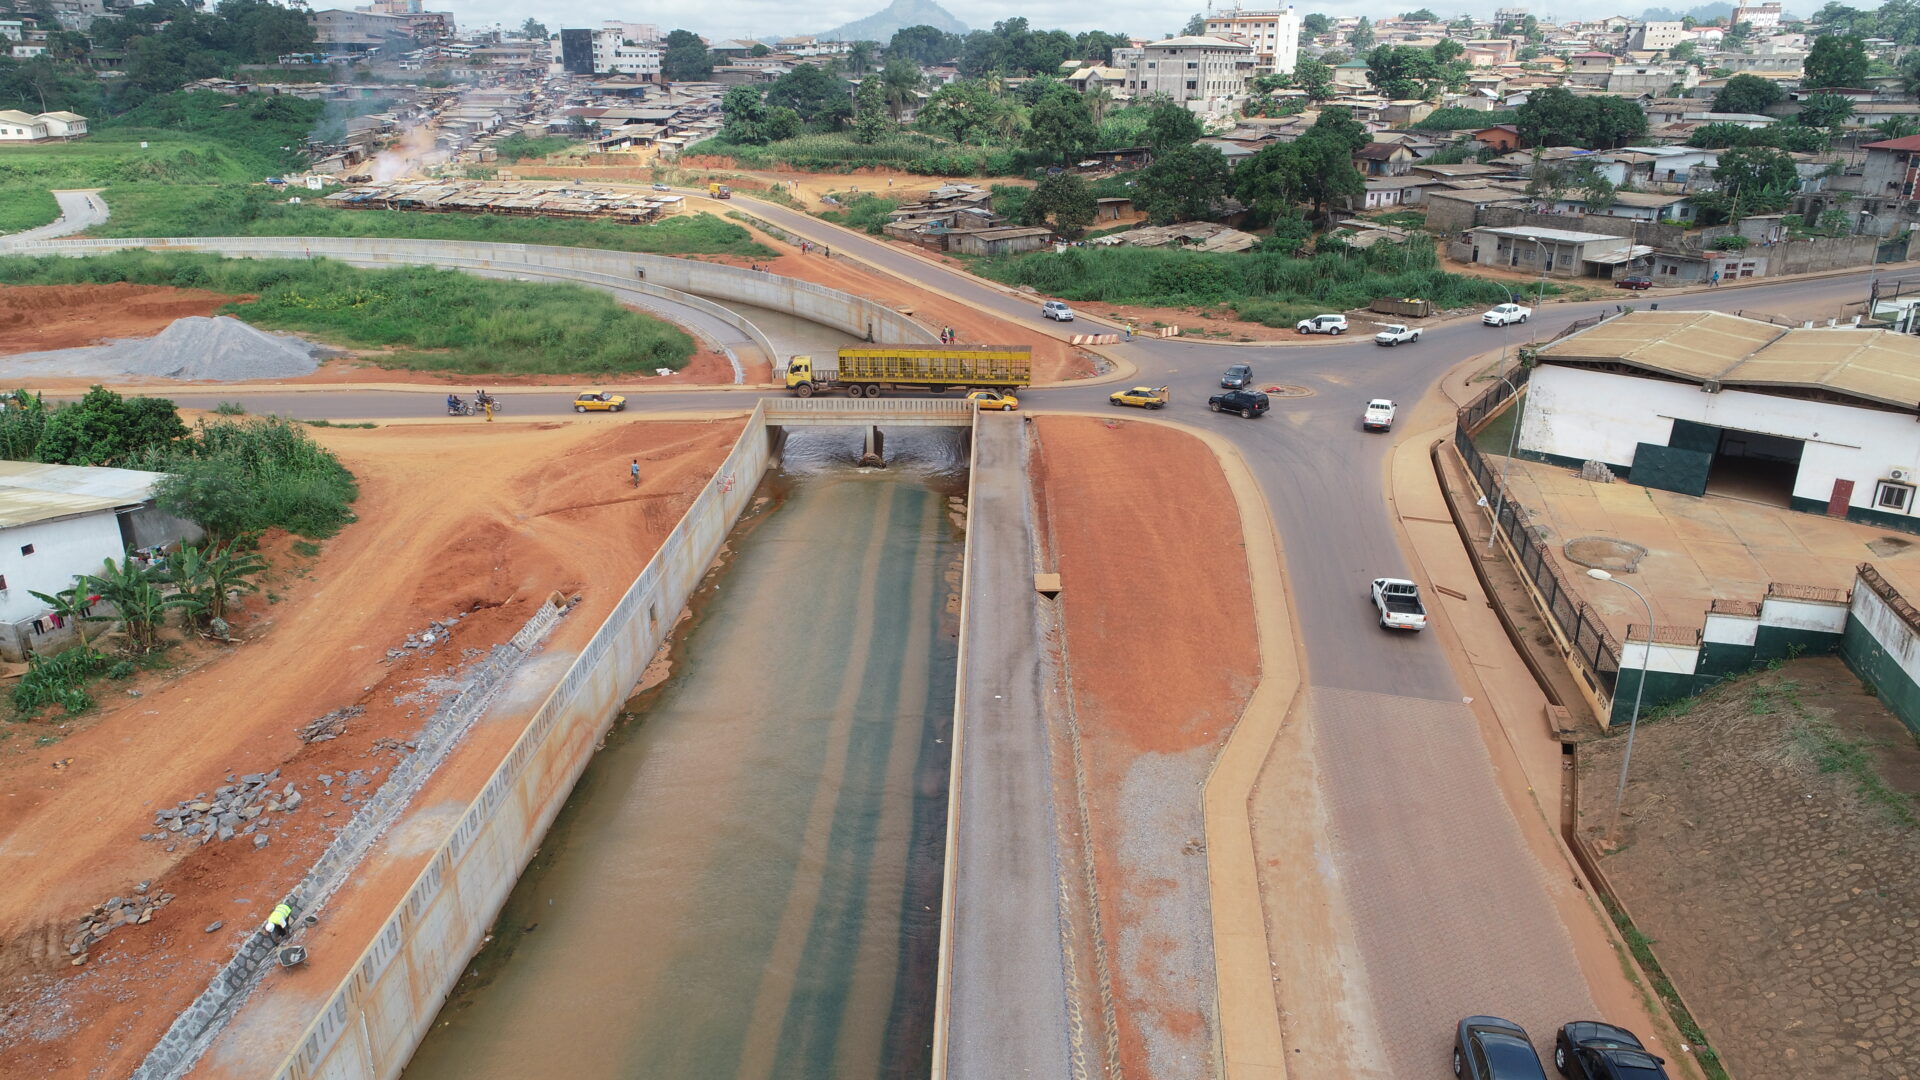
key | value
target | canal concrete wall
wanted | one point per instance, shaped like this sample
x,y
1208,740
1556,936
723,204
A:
x,y
369,1025
660,275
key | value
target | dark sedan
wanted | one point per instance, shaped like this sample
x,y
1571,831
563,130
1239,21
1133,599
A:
x,y
1489,1048
1591,1050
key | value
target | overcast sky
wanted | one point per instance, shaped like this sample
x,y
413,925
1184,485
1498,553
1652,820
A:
x,y
779,18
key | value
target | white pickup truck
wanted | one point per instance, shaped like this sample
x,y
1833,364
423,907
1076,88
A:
x,y
1379,415
1396,334
1399,604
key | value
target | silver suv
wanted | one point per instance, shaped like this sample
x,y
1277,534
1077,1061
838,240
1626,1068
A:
x,y
1057,311
1323,324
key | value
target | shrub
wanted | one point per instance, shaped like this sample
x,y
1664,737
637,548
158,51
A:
x,y
1731,243
59,679
868,212
239,477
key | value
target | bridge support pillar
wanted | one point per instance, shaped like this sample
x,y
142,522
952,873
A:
x,y
875,451
776,441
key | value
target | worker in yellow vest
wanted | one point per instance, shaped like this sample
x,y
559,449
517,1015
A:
x,y
280,923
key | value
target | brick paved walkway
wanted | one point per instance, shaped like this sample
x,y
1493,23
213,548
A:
x,y
1424,847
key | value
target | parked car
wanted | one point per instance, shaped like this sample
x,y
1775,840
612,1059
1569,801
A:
x,y
1379,415
1238,377
990,400
1592,1050
1400,608
1248,403
1634,283
1323,324
600,401
1057,311
1396,334
1489,1048
1502,314
1146,397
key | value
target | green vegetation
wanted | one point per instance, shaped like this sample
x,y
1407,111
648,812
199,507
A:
x,y
906,151
59,679
1271,288
237,478
253,210
1642,948
518,147
1454,118
1556,117
867,212
190,139
436,320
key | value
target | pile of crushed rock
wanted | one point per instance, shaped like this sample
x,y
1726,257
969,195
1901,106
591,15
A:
x,y
196,348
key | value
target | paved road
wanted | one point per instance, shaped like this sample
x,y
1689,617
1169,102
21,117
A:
x,y
79,210
1450,908
1008,1003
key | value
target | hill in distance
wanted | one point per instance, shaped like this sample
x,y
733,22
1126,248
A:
x,y
898,15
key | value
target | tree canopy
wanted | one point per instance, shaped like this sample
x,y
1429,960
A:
x,y
686,58
1014,48
1836,60
1555,116
1060,123
1184,184
924,45
1062,201
1362,36
1747,94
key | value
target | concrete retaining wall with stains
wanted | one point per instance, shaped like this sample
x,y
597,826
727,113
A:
x,y
1882,644
369,1025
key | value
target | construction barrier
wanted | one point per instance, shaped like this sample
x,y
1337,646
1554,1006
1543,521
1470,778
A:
x,y
1096,339
1169,331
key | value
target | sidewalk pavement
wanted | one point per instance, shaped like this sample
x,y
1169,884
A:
x,y
1700,549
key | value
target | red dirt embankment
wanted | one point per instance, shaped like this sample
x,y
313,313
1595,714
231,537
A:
x,y
486,521
36,317
1162,655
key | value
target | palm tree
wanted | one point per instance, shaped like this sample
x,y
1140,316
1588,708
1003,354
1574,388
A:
x,y
70,606
1099,100
902,82
1897,127
210,575
137,601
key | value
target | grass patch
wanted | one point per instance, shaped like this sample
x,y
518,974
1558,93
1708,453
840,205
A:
x,y
840,153
433,319
1642,948
865,212
517,147
25,206
1263,287
331,424
1832,752
253,210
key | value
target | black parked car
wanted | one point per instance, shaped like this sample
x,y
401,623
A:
x,y
1238,377
1248,403
1591,1050
1489,1048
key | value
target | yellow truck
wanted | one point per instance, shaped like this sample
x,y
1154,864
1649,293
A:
x,y
718,190
864,371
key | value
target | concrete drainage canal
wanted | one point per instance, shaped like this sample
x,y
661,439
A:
x,y
746,880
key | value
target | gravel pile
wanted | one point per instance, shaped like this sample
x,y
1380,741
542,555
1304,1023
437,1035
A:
x,y
198,348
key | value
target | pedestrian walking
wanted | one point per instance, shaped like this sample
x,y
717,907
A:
x,y
489,408
1716,278
634,471
1129,327
280,923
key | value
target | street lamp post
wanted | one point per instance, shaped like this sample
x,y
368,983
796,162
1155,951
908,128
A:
x,y
1633,724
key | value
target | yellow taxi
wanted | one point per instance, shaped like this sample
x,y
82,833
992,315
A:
x,y
989,400
603,401
1145,397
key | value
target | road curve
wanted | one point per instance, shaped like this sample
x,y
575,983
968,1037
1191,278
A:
x,y
80,209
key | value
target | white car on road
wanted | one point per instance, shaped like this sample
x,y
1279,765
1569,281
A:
x,y
1057,311
1502,314
1396,334
1379,415
1323,324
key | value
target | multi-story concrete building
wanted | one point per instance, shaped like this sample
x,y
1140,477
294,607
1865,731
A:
x,y
1758,16
1188,68
1659,36
1274,35
616,52
338,31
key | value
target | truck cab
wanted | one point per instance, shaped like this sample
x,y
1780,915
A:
x,y
800,375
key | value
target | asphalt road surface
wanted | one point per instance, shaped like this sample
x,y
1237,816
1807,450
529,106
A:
x,y
1451,914
79,210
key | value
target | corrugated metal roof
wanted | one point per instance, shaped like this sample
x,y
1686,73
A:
x,y
1879,366
125,485
24,506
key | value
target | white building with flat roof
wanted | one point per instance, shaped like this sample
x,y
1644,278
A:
x,y
1273,33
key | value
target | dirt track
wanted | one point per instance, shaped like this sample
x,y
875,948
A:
x,y
487,521
1161,650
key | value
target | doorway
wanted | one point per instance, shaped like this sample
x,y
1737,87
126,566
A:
x,y
1756,468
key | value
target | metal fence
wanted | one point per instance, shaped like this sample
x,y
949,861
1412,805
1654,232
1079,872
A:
x,y
1595,647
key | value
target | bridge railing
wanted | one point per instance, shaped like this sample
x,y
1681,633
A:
x,y
954,412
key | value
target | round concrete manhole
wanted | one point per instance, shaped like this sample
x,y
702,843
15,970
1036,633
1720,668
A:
x,y
1286,391
1604,553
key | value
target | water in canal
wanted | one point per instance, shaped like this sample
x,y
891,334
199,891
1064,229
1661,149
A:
x,y
746,881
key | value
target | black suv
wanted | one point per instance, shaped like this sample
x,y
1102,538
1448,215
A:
x,y
1238,377
1248,403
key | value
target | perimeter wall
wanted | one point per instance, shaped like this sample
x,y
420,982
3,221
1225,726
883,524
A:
x,y
371,1023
